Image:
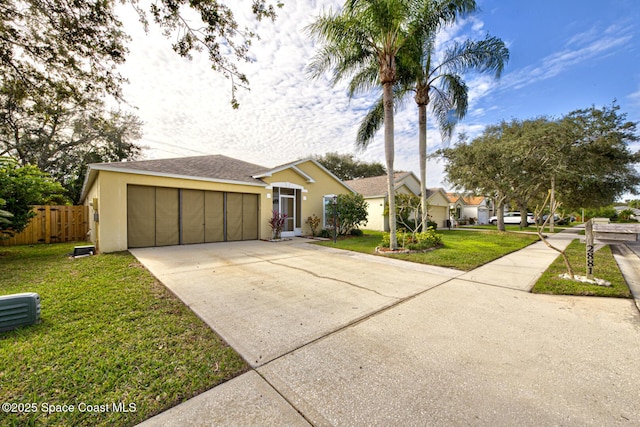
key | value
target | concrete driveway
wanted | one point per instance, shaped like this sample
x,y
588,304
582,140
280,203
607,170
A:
x,y
338,338
267,299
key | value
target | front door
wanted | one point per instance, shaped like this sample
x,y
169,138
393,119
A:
x,y
287,201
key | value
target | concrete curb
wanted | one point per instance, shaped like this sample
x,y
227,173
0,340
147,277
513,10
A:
x,y
629,264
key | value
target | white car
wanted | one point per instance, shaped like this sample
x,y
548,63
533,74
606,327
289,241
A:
x,y
513,218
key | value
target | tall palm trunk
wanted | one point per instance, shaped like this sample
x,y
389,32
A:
x,y
422,99
389,151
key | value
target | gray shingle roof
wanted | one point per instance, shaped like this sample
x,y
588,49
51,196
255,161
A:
x,y
375,185
216,167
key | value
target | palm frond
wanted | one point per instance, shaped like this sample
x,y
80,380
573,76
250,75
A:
x,y
370,124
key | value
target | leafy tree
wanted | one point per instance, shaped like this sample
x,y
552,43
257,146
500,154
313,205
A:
x,y
351,212
346,167
584,157
24,186
61,134
438,82
79,44
5,216
483,166
408,212
600,166
362,43
635,203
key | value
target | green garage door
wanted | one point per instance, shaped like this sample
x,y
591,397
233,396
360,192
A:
x,y
158,216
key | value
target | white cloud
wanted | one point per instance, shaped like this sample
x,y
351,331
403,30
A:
x,y
285,116
580,48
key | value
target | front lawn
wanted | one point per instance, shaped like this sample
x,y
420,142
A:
x,y
112,339
515,227
605,267
464,250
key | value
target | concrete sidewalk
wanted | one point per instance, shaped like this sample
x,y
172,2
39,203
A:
x,y
421,347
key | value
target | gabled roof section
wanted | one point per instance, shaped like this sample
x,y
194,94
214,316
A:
x,y
468,200
376,186
294,167
214,167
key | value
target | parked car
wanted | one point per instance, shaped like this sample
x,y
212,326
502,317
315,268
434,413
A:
x,y
513,218
557,220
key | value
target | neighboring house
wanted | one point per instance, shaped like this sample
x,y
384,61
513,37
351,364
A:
x,y
201,199
636,212
374,190
476,208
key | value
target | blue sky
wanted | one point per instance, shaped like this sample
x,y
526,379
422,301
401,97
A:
x,y
565,55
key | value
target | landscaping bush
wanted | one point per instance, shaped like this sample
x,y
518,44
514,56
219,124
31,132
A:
x,y
325,233
352,212
415,241
314,223
602,212
356,232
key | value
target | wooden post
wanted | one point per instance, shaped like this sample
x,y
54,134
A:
x,y
589,247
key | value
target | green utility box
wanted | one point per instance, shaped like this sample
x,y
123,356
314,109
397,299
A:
x,y
19,310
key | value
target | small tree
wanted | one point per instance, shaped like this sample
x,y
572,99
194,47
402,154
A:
x,y
277,223
540,227
5,216
24,186
408,212
351,212
314,222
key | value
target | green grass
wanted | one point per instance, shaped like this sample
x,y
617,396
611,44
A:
x,y
464,250
605,267
110,334
512,227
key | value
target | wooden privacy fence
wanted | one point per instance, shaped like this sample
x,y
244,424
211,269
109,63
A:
x,y
53,224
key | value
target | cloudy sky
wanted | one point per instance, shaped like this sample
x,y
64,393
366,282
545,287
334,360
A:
x,y
565,55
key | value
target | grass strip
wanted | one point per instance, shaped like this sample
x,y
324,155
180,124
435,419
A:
x,y
463,250
112,338
605,267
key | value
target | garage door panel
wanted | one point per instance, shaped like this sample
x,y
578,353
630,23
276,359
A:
x,y
158,216
192,216
167,216
213,216
249,216
141,223
234,216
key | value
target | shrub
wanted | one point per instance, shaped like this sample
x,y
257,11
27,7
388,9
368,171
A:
x,y
416,241
356,232
314,223
352,212
432,224
327,234
602,212
277,223
625,215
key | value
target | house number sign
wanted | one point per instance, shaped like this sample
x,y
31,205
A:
x,y
590,248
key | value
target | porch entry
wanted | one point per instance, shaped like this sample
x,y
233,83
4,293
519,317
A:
x,y
287,199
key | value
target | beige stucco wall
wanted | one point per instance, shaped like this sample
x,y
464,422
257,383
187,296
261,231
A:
x,y
110,188
324,184
438,208
110,232
376,219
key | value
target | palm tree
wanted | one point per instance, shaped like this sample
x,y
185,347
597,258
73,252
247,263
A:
x,y
439,85
362,43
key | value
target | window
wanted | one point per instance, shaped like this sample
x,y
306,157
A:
x,y
327,212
